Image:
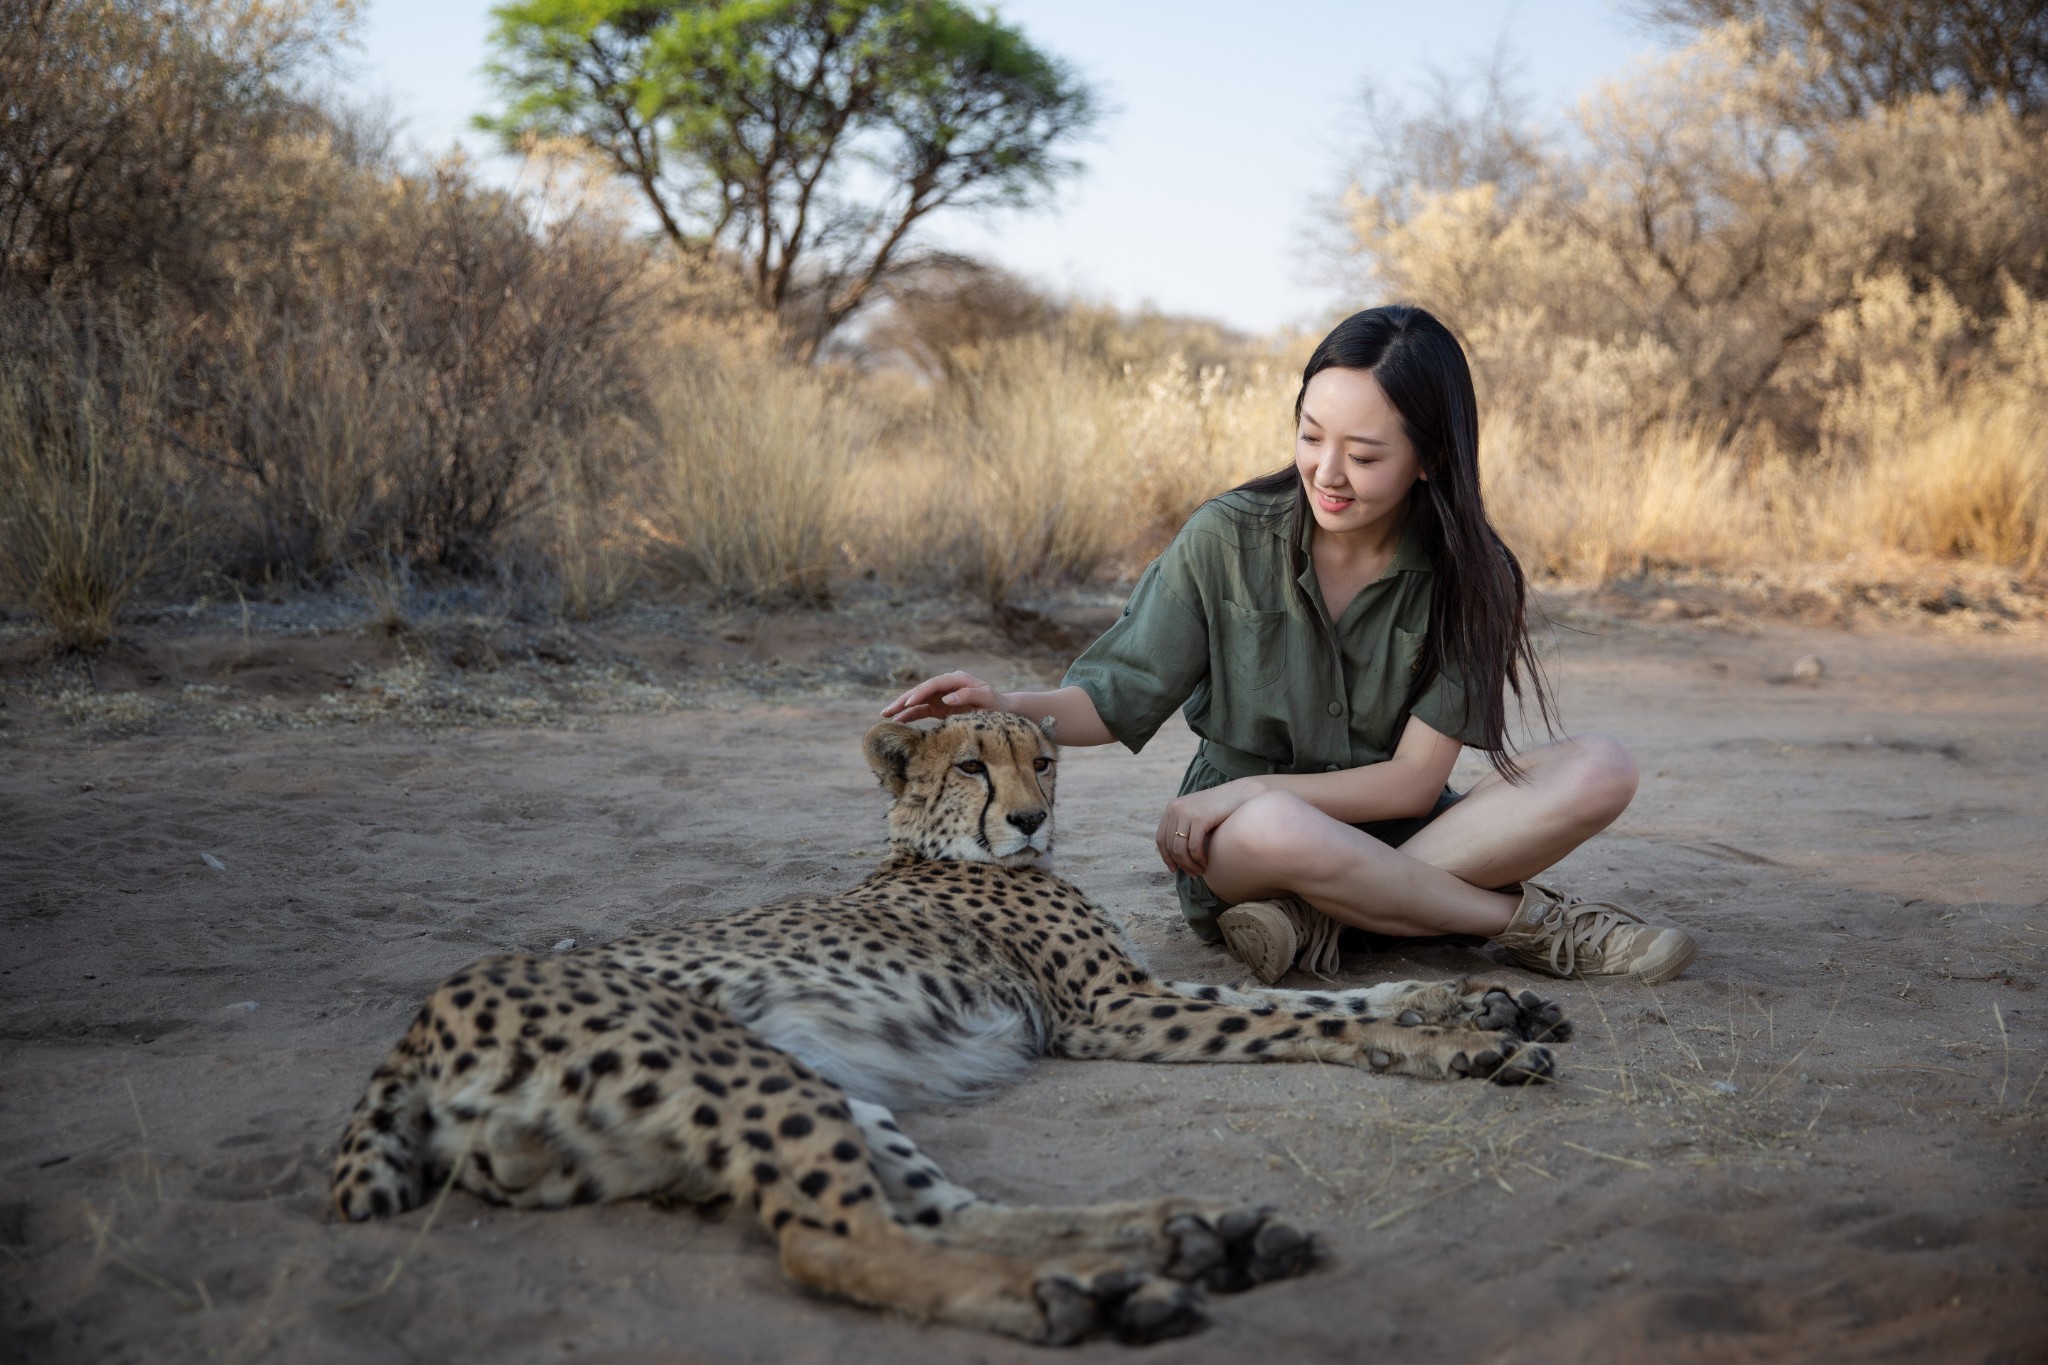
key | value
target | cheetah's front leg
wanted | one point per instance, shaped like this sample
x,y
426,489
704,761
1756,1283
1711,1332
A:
x,y
1154,1025
1469,1002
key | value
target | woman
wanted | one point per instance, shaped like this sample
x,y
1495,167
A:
x,y
1335,632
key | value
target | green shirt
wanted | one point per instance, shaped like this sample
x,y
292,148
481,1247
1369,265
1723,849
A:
x,y
1221,627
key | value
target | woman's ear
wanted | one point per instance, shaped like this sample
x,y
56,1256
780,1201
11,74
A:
x,y
889,748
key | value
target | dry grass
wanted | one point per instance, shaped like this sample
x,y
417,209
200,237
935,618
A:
x,y
1970,484
84,510
1040,465
750,478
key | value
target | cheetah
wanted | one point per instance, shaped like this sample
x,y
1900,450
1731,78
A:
x,y
759,1057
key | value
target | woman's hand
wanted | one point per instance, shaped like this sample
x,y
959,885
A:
x,y
1189,820
949,694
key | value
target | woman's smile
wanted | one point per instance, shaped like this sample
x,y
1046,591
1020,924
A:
x,y
1333,503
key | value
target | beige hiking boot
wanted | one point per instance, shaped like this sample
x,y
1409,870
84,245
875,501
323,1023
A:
x,y
1561,937
1271,936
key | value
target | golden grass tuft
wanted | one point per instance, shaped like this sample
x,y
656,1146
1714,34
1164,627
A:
x,y
749,480
84,514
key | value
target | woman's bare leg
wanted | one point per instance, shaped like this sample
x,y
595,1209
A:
x,y
1435,883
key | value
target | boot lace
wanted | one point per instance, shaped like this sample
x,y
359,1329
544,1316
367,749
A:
x,y
1317,934
1577,926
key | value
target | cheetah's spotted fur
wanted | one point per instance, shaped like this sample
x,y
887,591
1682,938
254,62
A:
x,y
754,1056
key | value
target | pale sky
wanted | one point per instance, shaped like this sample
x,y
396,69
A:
x,y
1230,122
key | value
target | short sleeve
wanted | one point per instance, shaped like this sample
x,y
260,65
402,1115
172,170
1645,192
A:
x,y
1146,665
1445,708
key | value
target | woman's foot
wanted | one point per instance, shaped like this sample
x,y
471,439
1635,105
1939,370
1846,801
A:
x,y
1571,937
1272,936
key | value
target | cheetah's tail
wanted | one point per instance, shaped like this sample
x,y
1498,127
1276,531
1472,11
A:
x,y
381,1167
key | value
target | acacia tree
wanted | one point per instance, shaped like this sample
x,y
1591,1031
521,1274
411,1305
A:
x,y
807,138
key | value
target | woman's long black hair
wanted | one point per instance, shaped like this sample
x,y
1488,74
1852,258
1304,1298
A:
x,y
1478,623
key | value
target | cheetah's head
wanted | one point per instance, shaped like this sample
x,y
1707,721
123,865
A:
x,y
978,788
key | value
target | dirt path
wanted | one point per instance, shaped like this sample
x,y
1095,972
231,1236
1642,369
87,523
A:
x,y
1824,1142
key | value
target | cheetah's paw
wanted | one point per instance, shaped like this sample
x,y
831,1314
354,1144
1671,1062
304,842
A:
x,y
1237,1250
1135,1307
1506,1061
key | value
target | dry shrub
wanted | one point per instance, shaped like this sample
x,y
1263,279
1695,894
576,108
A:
x,y
418,394
138,137
590,545
85,514
1711,330
749,474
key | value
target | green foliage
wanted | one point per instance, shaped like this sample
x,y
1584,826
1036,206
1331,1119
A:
x,y
806,138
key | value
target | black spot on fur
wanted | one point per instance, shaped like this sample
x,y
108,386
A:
x,y
814,1184
795,1126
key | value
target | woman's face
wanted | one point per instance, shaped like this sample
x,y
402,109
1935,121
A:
x,y
1355,458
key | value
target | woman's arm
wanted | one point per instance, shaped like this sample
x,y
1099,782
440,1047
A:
x,y
1403,787
1072,711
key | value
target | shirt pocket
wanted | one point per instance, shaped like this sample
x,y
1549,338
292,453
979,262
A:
x,y
1407,660
1256,651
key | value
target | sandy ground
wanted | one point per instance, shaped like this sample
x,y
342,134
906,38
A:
x,y
1824,1142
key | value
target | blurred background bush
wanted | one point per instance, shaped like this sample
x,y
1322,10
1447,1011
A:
x,y
1779,299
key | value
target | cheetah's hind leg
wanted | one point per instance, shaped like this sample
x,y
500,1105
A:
x,y
1224,1247
592,1112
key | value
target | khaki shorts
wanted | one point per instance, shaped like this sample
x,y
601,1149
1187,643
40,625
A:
x,y
1200,906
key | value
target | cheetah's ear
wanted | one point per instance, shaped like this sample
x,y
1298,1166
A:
x,y
1048,725
890,746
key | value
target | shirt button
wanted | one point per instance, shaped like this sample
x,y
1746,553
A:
x,y
1336,708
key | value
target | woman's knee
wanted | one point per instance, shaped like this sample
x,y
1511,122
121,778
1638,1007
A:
x,y
1277,831
1601,777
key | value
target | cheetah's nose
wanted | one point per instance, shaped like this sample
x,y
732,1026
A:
x,y
1027,820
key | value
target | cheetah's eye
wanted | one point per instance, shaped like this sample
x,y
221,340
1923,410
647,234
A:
x,y
1041,764
972,766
